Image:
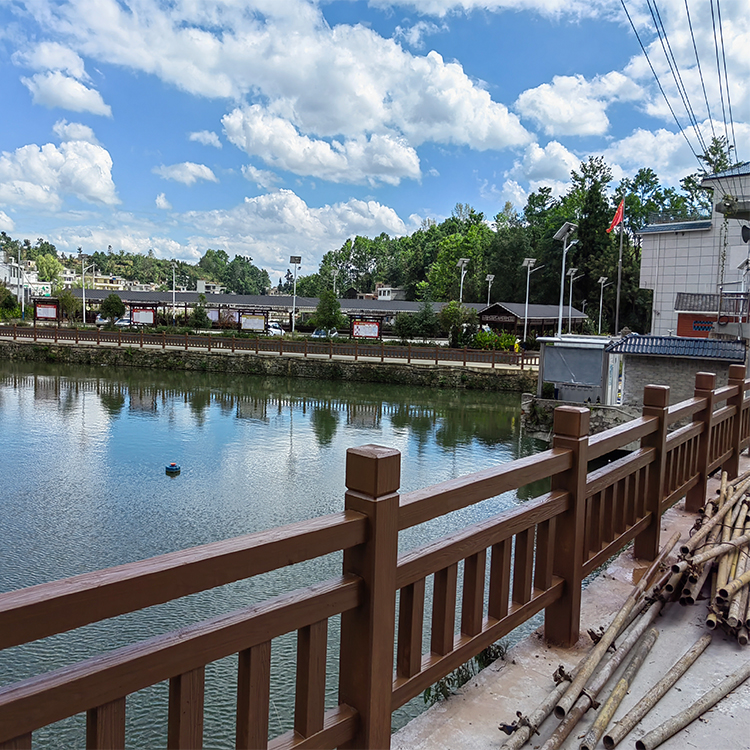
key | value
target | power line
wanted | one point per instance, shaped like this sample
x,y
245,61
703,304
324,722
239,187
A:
x,y
700,70
726,81
658,82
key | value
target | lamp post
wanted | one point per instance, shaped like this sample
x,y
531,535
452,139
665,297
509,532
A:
x,y
572,273
83,282
462,263
530,265
490,278
602,285
174,317
295,260
563,233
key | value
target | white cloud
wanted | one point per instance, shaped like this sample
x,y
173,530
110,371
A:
x,y
54,89
206,137
162,202
272,226
6,223
51,56
571,105
188,173
44,176
261,177
414,35
373,87
74,131
379,158
553,8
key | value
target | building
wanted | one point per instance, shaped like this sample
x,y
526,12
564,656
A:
x,y
699,256
543,319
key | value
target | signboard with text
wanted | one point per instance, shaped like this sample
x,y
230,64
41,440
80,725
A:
x,y
46,311
143,316
366,329
252,322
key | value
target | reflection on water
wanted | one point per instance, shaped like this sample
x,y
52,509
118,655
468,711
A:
x,y
84,452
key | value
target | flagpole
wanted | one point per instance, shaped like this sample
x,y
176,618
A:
x,y
619,274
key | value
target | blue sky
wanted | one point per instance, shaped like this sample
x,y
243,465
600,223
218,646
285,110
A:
x,y
276,127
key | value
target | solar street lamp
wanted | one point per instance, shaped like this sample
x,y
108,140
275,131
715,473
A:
x,y
490,278
602,286
563,233
295,260
462,263
530,265
572,273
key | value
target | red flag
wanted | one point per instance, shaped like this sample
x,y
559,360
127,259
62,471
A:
x,y
619,214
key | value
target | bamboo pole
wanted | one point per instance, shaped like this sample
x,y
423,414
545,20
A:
x,y
711,554
595,656
530,724
708,700
705,530
623,727
586,698
612,703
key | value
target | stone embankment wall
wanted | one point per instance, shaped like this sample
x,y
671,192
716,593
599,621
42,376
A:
x,y
424,375
537,415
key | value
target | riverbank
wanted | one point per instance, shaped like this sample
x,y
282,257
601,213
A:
x,y
423,374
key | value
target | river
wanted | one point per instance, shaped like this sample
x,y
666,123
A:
x,y
84,487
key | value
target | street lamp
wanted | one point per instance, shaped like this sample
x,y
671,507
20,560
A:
x,y
490,278
83,283
295,260
462,263
563,233
572,273
174,317
602,285
530,265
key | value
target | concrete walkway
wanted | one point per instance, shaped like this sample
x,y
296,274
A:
x,y
470,719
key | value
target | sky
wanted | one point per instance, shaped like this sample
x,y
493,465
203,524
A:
x,y
270,128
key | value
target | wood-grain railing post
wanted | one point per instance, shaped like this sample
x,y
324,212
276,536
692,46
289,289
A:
x,y
705,383
562,617
655,404
105,726
737,375
185,725
367,632
253,694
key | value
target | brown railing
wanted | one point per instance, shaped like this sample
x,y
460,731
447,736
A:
x,y
274,345
537,553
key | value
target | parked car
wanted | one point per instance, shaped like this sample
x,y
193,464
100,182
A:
x,y
322,333
101,320
274,329
126,322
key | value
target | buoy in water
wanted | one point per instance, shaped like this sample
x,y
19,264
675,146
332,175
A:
x,y
173,468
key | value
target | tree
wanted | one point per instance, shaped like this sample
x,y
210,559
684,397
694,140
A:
x,y
112,307
328,312
49,268
459,323
426,322
69,304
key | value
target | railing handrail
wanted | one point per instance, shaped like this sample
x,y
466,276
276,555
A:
x,y
56,607
431,502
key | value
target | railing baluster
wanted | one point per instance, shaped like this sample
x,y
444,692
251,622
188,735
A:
x,y
185,728
410,618
472,601
19,743
253,694
497,606
105,726
523,566
444,610
545,542
309,704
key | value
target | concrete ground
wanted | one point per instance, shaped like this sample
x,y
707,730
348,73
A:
x,y
469,720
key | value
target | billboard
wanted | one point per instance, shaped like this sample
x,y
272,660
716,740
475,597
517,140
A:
x,y
366,329
143,316
46,311
252,322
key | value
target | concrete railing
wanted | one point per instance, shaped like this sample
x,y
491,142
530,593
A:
x,y
538,555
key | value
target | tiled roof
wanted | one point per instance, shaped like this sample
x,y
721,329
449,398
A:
x,y
539,312
732,304
681,226
680,346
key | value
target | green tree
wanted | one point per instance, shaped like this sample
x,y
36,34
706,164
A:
x,y
112,307
426,320
328,312
403,326
49,268
69,303
459,323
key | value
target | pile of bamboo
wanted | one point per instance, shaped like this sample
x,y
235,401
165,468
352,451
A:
x,y
634,636
719,551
